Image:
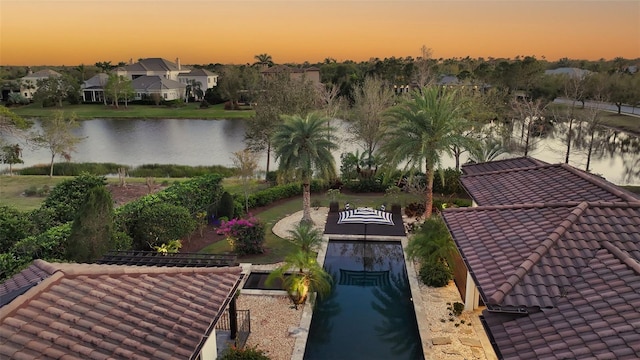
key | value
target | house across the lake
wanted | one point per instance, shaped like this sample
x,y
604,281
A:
x,y
29,83
155,78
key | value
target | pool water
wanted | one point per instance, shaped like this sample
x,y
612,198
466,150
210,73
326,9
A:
x,y
369,314
258,281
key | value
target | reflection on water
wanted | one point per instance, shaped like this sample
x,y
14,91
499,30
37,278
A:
x,y
615,155
610,153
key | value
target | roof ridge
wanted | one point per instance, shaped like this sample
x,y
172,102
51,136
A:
x,y
622,256
614,189
19,301
527,168
499,295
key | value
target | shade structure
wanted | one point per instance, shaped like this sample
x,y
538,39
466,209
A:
x,y
365,216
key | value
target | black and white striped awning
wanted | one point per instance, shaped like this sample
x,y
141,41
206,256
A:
x,y
365,216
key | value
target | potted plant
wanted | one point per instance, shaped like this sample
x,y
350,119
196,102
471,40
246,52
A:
x,y
333,195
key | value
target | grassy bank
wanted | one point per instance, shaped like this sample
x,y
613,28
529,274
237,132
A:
x,y
611,119
99,111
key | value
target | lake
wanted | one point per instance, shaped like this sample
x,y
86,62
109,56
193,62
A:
x,y
212,142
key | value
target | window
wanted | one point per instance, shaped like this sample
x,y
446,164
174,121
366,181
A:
x,y
164,95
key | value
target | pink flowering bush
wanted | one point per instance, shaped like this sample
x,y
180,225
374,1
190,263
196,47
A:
x,y
246,236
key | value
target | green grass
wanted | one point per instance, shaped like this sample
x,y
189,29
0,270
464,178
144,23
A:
x,y
92,111
13,187
608,118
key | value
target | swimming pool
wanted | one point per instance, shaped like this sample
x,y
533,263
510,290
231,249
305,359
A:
x,y
370,313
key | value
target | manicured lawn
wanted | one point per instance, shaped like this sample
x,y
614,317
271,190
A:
x,y
93,111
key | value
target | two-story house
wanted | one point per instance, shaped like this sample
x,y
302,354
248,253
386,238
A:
x,y
29,83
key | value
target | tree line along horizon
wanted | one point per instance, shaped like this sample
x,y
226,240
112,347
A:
x,y
243,81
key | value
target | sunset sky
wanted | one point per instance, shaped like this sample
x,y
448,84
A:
x,y
55,32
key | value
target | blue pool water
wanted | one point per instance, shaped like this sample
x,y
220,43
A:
x,y
369,314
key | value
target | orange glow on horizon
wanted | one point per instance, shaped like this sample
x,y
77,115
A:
x,y
52,32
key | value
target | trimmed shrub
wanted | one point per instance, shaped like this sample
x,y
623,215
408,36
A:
x,y
249,353
66,197
436,274
180,171
161,223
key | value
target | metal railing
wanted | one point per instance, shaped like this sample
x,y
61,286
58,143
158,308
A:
x,y
244,326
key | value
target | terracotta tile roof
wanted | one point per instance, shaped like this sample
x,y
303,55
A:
x,y
540,184
24,280
572,268
498,165
91,311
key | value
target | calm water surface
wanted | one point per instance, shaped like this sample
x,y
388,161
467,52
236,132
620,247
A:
x,y
212,142
369,314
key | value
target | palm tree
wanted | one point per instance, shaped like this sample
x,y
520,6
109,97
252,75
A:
x,y
425,126
300,274
264,60
194,88
303,148
485,151
306,236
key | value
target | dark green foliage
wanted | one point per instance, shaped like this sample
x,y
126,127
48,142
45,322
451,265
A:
x,y
451,182
212,96
73,169
196,195
43,219
50,245
180,171
161,223
278,192
92,230
204,104
436,274
226,207
66,197
149,170
432,243
249,353
367,185
272,177
457,308
14,225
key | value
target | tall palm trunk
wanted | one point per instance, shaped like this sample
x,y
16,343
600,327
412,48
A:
x,y
429,192
306,202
